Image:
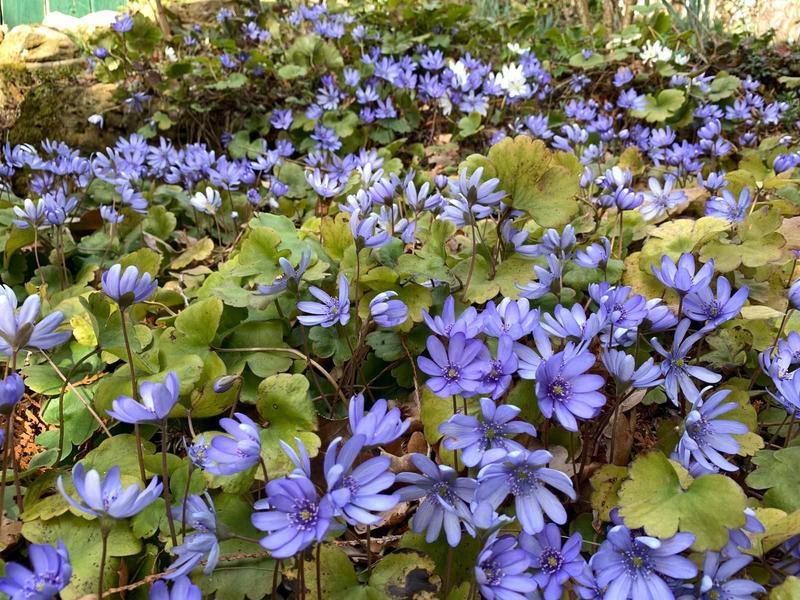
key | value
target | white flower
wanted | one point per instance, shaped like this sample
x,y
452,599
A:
x,y
680,58
512,81
517,49
207,203
169,51
96,120
654,52
446,105
460,72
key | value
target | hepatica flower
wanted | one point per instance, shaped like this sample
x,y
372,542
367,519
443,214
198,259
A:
x,y
293,516
128,287
379,426
202,543
486,439
512,318
683,277
457,369
706,437
50,573
703,306
524,475
19,329
729,207
11,390
157,400
622,367
468,322
356,493
676,368
208,202
387,310
182,589
445,499
106,497
634,566
500,570
328,311
553,563
237,453
717,580
289,277
564,389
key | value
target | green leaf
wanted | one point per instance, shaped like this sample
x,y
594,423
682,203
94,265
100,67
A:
x,y
146,260
538,185
284,398
197,324
405,574
289,72
788,590
661,107
673,238
338,580
197,252
776,472
663,502
605,489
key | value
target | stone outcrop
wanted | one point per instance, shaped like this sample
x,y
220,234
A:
x,y
36,44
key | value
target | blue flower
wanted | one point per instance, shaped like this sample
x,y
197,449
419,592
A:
x,y
201,517
471,190
30,215
356,492
701,305
682,277
369,232
498,377
717,582
563,388
624,311
794,294
706,436
106,497
329,310
289,277
788,395
500,570
552,563
122,23
458,369
128,287
729,208
594,256
378,426
50,573
634,566
325,185
386,311
18,329
445,499
572,322
511,318
157,400
229,455
182,589
469,322
523,475
11,390
560,245
546,279
293,516
622,367
488,439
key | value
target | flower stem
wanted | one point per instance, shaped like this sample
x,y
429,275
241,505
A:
x,y
447,572
165,475
135,390
319,575
104,531
185,498
471,260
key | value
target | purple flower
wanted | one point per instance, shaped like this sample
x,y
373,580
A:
x,y
322,183
488,439
594,256
18,329
717,581
500,570
471,190
11,390
678,373
624,311
563,388
229,455
458,369
293,516
498,378
50,573
281,118
329,310
202,543
128,287
788,395
524,475
701,304
182,589
552,563
123,23
369,232
572,322
794,294
289,278
378,426
633,566
682,277
157,400
469,322
729,208
511,318
706,436
445,499
355,493
106,497
387,312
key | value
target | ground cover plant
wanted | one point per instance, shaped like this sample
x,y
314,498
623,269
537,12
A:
x,y
398,305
